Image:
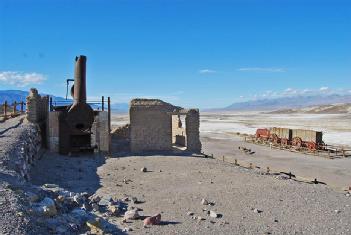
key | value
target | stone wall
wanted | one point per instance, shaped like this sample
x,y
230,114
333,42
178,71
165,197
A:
x,y
37,107
192,121
53,131
150,130
120,139
151,126
20,150
100,129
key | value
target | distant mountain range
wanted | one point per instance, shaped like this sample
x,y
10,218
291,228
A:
x,y
319,109
282,104
294,102
17,95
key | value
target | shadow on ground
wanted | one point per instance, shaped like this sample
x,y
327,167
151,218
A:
x,y
75,173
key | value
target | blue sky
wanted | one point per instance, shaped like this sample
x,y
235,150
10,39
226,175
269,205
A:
x,y
191,53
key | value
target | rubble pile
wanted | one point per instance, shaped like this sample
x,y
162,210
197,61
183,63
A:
x,y
64,212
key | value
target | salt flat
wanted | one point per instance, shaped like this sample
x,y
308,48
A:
x,y
336,128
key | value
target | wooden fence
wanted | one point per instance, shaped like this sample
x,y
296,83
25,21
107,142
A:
x,y
274,172
11,110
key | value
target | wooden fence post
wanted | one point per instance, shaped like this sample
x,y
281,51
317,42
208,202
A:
x,y
14,108
5,110
22,107
102,103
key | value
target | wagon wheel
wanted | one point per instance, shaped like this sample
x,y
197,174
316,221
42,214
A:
x,y
284,141
297,141
274,138
312,146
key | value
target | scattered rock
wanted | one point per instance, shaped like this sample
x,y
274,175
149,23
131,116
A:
x,y
95,226
94,198
199,218
257,210
190,213
50,185
153,220
74,227
60,199
204,202
131,214
95,206
143,169
134,199
32,197
45,208
127,229
213,214
80,215
113,209
104,202
337,211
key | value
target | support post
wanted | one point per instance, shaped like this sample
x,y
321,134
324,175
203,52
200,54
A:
x,y
22,106
109,122
5,110
14,108
50,104
102,103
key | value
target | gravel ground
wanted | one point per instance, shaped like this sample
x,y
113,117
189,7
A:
x,y
11,203
335,172
175,185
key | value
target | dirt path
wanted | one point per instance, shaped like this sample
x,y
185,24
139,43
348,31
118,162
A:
x,y
175,185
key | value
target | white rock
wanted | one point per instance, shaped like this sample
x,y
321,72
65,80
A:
x,y
257,210
204,202
190,213
131,214
213,214
143,169
127,229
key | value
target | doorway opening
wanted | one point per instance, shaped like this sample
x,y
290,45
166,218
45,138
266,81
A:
x,y
179,140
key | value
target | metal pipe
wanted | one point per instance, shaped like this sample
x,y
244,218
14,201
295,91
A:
x,y
80,91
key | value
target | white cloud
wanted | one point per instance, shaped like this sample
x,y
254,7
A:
x,y
262,69
207,71
324,88
288,92
21,79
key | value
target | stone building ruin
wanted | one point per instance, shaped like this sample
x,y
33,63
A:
x,y
157,126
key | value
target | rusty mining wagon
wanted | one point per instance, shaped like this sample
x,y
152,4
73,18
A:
x,y
292,137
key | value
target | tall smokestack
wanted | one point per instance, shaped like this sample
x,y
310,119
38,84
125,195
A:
x,y
80,90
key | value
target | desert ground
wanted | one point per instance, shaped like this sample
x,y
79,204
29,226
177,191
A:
x,y
245,201
218,137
